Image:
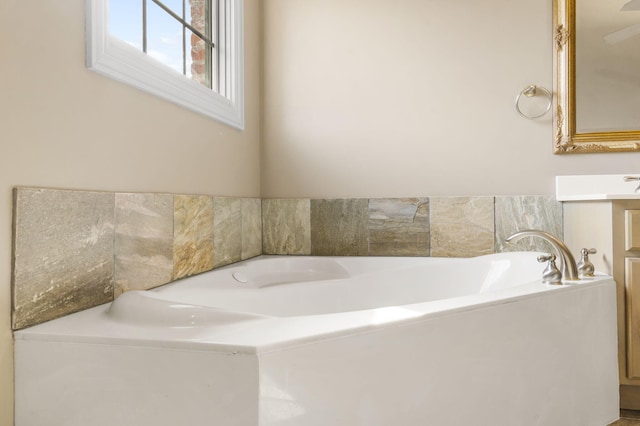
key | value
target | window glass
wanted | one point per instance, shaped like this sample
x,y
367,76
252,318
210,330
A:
x,y
164,37
125,21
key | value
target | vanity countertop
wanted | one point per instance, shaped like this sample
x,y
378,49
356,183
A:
x,y
597,187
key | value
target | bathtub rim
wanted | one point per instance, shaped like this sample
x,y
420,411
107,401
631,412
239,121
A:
x,y
268,334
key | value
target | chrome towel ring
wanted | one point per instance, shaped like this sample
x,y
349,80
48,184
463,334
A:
x,y
529,92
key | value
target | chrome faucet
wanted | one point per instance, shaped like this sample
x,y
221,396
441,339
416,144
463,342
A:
x,y
568,267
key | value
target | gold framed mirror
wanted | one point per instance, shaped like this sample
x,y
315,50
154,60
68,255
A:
x,y
596,61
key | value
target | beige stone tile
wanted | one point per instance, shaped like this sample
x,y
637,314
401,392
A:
x,y
461,226
192,234
62,253
227,230
339,227
399,227
517,213
286,226
251,228
143,241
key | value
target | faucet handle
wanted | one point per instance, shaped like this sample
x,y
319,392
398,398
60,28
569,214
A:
x,y
546,258
585,267
551,274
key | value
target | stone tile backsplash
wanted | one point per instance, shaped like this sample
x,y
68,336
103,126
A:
x,y
77,249
399,226
251,222
434,226
192,235
62,253
339,227
527,212
461,226
73,250
227,231
143,241
286,226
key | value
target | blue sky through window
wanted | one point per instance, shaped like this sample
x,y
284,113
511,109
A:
x,y
164,34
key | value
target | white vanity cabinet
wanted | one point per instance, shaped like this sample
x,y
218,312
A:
x,y
613,228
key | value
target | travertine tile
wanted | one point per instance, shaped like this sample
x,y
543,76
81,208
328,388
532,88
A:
x,y
251,228
62,253
286,226
192,234
399,227
143,241
339,227
518,213
227,230
461,226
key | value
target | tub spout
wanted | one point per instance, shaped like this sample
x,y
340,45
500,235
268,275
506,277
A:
x,y
568,267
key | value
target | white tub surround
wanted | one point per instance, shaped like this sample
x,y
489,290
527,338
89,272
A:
x,y
332,341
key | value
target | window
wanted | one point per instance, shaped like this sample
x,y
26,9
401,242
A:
x,y
189,52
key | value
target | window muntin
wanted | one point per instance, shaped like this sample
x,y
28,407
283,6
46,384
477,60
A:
x,y
205,76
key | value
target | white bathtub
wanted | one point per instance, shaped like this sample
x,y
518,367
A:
x,y
332,341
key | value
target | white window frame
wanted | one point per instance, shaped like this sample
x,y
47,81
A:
x,y
115,58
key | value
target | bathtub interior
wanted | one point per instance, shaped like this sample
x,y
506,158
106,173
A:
x,y
296,286
267,271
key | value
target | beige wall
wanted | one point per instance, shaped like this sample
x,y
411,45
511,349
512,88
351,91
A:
x,y
376,98
63,126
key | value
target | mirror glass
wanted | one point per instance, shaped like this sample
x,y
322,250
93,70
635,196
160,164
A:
x,y
608,61
597,75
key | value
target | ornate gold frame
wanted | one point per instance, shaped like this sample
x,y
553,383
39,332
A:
x,y
566,140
